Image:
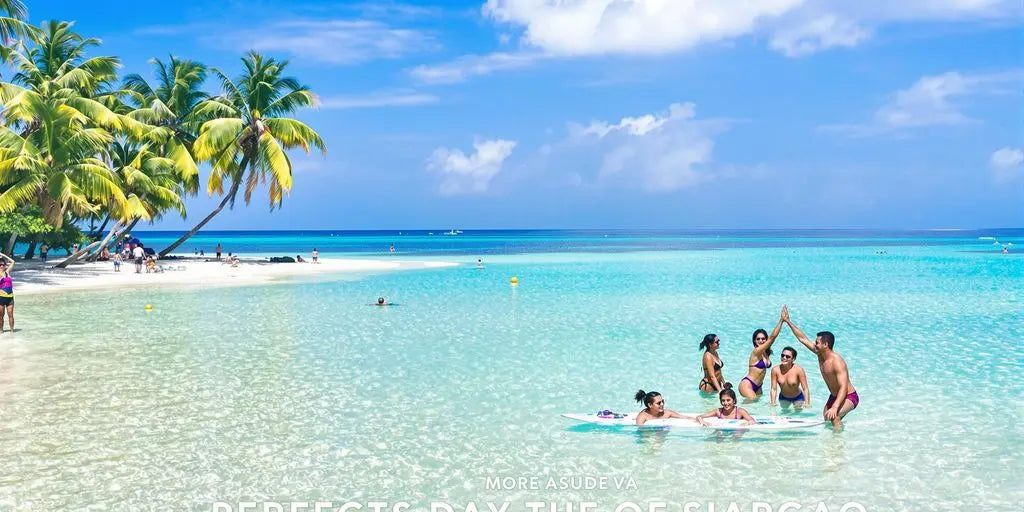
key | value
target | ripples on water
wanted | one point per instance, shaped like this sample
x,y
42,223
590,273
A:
x,y
302,392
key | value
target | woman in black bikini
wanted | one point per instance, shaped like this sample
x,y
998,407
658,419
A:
x,y
713,381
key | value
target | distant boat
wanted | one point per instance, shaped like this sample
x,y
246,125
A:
x,y
452,232
986,238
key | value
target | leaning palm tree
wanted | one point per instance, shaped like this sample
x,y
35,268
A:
x,y
248,135
152,185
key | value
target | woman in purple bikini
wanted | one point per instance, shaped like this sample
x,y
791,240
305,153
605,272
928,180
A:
x,y
759,362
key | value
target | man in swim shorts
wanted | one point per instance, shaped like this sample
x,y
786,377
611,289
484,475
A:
x,y
843,396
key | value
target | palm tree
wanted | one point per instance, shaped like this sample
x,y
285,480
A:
x,y
56,126
12,25
171,107
247,136
152,185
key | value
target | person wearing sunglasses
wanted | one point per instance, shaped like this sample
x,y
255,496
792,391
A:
x,y
713,382
790,381
654,407
6,291
760,361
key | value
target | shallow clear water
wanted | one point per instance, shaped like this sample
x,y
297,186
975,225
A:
x,y
301,391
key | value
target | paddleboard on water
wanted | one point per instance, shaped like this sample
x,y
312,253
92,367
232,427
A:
x,y
763,422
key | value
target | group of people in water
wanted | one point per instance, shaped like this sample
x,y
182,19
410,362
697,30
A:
x,y
787,378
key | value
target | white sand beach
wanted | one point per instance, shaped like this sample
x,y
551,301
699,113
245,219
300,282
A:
x,y
32,277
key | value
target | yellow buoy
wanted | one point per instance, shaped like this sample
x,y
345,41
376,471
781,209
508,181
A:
x,y
149,307
514,280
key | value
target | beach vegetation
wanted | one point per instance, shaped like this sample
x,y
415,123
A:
x,y
78,145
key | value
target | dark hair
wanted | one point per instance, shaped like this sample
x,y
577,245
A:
x,y
791,349
380,300
645,397
754,338
709,339
829,338
727,392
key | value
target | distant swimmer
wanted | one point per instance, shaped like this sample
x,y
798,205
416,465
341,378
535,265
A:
x,y
843,396
760,361
713,381
790,380
479,263
728,411
381,301
654,407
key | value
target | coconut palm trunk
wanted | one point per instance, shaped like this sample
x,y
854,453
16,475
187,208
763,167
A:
x,y
9,250
236,182
74,257
105,241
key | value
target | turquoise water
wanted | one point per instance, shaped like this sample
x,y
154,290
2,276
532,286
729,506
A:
x,y
301,391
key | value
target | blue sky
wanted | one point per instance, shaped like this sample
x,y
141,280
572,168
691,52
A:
x,y
620,113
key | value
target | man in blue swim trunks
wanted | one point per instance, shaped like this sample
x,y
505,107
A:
x,y
791,381
843,396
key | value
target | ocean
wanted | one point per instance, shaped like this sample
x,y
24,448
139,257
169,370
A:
x,y
302,391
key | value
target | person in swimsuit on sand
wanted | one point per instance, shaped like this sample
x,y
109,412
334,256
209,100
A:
x,y
760,361
728,411
654,407
843,396
790,380
713,380
6,291
316,255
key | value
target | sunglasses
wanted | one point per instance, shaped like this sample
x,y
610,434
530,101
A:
x,y
660,402
786,356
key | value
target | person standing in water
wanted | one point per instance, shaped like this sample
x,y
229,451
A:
x,y
843,396
790,380
760,361
713,381
654,407
6,291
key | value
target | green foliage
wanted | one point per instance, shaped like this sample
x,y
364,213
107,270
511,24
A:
x,y
24,224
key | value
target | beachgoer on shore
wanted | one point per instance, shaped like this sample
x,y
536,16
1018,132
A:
x,y
298,258
843,397
43,251
139,255
316,255
392,249
729,411
6,291
218,250
790,380
479,263
117,261
760,362
712,364
654,407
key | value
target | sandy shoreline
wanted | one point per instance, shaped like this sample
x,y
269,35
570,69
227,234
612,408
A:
x,y
32,277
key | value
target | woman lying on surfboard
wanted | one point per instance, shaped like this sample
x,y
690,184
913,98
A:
x,y
654,408
728,411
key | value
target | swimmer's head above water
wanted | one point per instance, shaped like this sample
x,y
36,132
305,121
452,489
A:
x,y
652,400
381,301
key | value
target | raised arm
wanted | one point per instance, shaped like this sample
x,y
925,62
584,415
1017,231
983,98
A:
x,y
800,336
10,261
758,352
806,387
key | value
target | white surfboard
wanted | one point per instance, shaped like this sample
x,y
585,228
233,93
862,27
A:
x,y
763,422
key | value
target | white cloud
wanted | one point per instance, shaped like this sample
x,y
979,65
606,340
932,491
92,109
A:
x,y
657,153
818,34
933,101
331,41
468,66
799,27
470,174
399,98
1008,163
